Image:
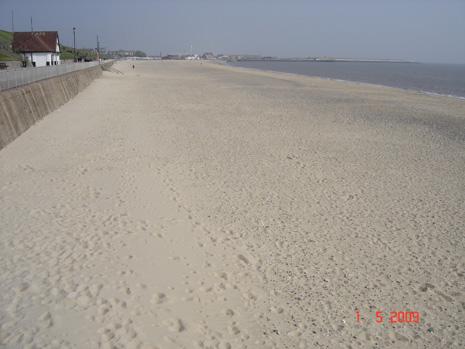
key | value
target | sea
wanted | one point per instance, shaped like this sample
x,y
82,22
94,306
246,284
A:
x,y
443,79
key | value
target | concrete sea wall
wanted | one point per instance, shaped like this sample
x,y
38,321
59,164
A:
x,y
21,107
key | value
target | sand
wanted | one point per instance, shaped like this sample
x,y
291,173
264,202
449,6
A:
x,y
189,205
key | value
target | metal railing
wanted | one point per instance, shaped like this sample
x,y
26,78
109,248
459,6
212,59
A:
x,y
11,78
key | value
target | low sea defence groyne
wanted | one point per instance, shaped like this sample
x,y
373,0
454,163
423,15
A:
x,y
23,106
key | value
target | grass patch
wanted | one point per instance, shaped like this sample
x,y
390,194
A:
x,y
5,39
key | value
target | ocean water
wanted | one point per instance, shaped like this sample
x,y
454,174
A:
x,y
444,79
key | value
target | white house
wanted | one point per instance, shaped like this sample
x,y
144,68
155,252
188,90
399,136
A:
x,y
39,48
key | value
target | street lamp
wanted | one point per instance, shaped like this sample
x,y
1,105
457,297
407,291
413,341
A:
x,y
74,39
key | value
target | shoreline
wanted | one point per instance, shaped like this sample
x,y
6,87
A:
x,y
356,81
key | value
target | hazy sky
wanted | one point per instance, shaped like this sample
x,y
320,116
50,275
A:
x,y
422,30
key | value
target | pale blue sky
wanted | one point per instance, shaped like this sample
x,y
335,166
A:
x,y
422,30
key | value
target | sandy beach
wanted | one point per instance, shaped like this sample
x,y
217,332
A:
x,y
195,205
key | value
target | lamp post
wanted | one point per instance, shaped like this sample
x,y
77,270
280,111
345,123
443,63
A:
x,y
98,50
74,40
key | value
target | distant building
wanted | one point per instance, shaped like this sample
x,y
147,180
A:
x,y
208,55
125,54
192,57
174,57
39,48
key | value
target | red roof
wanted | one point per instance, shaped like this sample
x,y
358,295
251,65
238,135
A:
x,y
35,41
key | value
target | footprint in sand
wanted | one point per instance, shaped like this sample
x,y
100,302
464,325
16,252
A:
x,y
158,298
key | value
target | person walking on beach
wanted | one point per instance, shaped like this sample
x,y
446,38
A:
x,y
133,66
